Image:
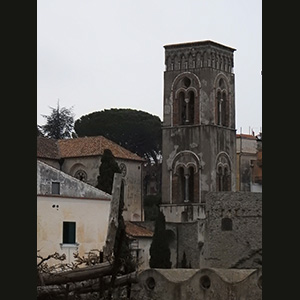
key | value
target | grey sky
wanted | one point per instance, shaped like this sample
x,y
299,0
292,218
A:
x,y
95,54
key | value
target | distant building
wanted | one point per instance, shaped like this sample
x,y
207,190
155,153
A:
x,y
140,242
249,162
81,158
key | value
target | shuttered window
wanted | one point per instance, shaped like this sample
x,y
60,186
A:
x,y
69,232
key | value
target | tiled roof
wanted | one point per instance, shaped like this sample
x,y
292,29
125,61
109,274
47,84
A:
x,y
80,147
91,146
137,230
246,136
47,148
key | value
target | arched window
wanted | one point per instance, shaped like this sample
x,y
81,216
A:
x,y
185,189
186,107
223,173
226,224
185,177
219,179
219,107
226,180
191,184
181,184
222,104
186,103
182,108
191,103
81,175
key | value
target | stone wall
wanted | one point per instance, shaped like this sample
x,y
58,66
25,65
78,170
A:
x,y
233,234
202,284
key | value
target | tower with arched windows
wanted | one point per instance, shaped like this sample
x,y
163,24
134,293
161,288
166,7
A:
x,y
199,150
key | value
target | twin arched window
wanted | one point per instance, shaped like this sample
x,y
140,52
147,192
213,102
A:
x,y
185,101
223,173
222,104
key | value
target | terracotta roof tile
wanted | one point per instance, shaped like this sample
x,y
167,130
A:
x,y
91,146
247,136
137,230
79,147
47,148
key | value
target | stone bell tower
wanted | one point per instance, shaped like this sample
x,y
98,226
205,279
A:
x,y
199,137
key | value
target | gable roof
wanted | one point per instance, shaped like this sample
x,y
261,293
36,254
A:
x,y
81,147
70,186
135,230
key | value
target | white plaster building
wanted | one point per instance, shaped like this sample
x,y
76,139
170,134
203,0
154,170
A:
x,y
72,216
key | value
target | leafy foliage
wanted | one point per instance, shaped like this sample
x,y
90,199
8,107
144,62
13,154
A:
x,y
107,170
160,253
59,123
137,131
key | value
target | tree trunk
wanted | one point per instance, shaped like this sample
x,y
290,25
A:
x,y
77,274
113,218
86,286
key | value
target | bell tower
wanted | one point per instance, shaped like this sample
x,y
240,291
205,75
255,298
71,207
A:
x,y
199,136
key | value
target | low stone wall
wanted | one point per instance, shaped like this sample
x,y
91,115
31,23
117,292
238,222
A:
x,y
201,284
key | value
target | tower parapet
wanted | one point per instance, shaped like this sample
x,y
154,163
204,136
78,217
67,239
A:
x,y
195,55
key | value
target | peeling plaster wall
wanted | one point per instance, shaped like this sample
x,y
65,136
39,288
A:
x,y
206,142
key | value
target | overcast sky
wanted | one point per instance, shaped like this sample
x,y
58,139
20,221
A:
x,y
95,54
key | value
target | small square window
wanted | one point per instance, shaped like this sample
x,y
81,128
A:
x,y
69,232
55,188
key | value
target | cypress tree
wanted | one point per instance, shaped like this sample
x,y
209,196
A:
x,y
107,170
160,253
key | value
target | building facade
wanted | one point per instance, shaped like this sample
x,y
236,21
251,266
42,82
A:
x,y
81,158
199,137
72,216
249,162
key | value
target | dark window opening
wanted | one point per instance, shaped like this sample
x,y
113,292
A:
x,y
224,110
186,82
181,184
219,180
186,108
226,180
191,107
81,175
182,108
69,232
191,184
223,181
221,83
219,108
55,188
205,282
226,224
